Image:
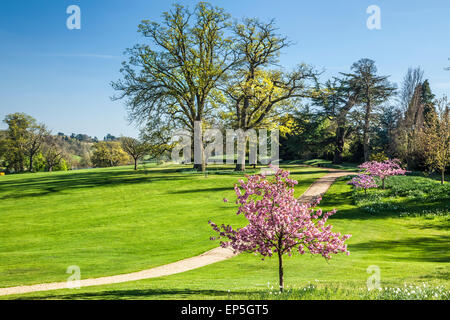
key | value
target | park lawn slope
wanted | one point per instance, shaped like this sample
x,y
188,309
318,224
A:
x,y
112,221
411,250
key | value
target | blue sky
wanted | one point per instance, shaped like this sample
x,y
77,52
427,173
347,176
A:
x,y
62,77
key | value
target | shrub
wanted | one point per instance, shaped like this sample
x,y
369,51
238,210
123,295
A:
x,y
383,169
379,157
363,181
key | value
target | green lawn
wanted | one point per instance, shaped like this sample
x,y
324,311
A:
x,y
112,221
407,249
349,166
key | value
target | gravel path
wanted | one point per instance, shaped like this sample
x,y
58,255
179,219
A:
x,y
321,185
318,188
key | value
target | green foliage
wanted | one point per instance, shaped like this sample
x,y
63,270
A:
x,y
311,135
39,162
404,186
109,154
15,140
379,156
62,166
406,196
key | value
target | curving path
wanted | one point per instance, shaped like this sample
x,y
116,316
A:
x,y
318,188
321,185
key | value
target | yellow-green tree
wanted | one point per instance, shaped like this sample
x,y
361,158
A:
x,y
259,94
436,138
109,154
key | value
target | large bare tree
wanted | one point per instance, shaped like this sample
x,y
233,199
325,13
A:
x,y
175,73
256,92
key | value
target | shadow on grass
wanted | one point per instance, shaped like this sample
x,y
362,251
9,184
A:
x,y
439,273
410,206
202,190
132,294
59,182
36,186
426,249
442,225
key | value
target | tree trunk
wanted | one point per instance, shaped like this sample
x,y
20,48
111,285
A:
x,y
199,155
280,270
135,163
201,166
339,148
240,162
442,176
241,151
366,148
366,137
31,163
203,160
382,180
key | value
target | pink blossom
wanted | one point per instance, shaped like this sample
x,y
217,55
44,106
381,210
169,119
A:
x,y
363,181
278,222
382,169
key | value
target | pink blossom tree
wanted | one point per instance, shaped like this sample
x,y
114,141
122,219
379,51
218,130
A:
x,y
278,222
363,181
383,169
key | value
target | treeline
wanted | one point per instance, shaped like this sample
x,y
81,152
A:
x,y
27,145
200,64
361,117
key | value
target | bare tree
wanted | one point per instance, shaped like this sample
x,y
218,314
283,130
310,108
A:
x,y
175,75
35,139
135,148
415,110
413,78
52,153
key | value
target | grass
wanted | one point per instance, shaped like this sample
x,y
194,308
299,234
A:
x,y
407,196
411,250
348,166
111,221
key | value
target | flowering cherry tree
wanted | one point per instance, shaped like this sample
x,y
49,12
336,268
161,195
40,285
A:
x,y
278,222
363,181
383,169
